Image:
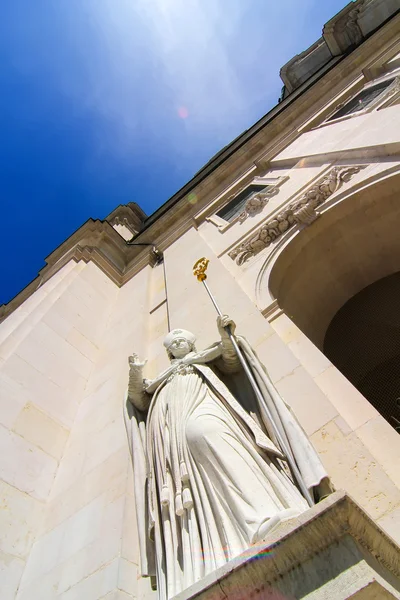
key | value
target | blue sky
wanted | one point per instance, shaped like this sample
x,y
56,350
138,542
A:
x,y
105,102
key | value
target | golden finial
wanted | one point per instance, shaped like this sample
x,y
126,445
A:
x,y
200,268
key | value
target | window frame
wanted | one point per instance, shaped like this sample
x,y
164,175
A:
x,y
266,181
261,188
387,96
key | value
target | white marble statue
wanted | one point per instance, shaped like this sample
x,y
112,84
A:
x,y
210,479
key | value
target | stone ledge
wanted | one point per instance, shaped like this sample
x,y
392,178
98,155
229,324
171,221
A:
x,y
333,550
96,241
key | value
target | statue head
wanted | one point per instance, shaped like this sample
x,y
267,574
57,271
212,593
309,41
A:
x,y
179,342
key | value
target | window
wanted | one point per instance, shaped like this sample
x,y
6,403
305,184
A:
x,y
235,204
362,99
233,209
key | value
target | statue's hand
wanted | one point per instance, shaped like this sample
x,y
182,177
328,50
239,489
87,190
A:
x,y
135,362
223,322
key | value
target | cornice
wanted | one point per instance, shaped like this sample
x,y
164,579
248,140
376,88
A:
x,y
96,241
130,215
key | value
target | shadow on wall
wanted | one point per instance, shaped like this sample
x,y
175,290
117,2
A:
x,y
363,342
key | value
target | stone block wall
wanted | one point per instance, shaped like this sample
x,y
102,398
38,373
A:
x,y
48,350
359,449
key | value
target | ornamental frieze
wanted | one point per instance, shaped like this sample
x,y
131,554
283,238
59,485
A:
x,y
301,211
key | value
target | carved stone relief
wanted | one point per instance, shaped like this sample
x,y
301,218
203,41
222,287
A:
x,y
301,211
118,220
256,203
342,33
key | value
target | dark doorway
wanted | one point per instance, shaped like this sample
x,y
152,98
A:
x,y
363,341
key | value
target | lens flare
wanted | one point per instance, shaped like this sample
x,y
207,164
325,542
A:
x,y
183,112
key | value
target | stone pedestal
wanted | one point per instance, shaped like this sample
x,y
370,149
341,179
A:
x,y
334,550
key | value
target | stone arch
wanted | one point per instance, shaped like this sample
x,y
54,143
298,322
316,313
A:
x,y
339,281
353,244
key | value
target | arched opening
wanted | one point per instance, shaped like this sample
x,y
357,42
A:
x,y
339,282
363,341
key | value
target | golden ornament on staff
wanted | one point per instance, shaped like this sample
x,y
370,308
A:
x,y
200,268
199,271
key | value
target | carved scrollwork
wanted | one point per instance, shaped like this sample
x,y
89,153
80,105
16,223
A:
x,y
118,220
256,203
301,211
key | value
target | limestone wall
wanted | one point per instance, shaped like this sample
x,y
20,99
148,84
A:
x,y
360,450
48,349
364,131
86,541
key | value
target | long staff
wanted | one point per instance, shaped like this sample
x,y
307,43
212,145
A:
x,y
199,270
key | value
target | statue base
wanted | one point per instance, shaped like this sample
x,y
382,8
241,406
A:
x,y
333,550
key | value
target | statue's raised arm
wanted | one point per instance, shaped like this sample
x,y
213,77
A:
x,y
136,386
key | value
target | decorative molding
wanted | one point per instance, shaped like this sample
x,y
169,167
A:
x,y
97,242
256,203
272,311
300,212
343,31
130,215
117,220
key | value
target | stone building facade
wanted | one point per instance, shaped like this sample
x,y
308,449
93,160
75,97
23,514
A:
x,y
299,219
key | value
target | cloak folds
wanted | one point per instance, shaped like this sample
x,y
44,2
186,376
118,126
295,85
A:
x,y
154,460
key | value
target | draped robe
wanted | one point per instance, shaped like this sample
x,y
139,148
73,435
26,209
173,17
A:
x,y
210,478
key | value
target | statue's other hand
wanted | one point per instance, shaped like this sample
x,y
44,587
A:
x,y
223,322
135,362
